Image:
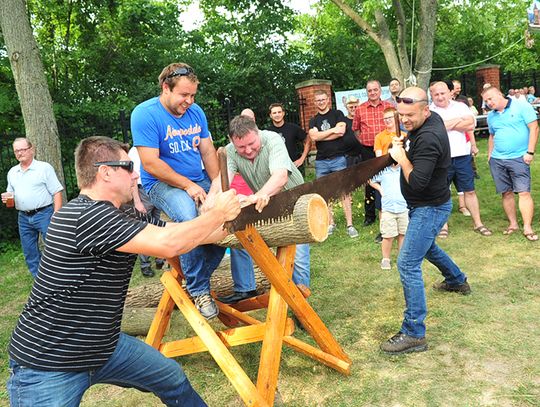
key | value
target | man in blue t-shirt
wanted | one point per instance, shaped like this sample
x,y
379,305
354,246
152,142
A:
x,y
171,134
513,133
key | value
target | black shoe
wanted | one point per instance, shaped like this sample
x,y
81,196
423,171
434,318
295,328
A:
x,y
147,272
237,296
401,343
463,288
159,264
369,221
378,239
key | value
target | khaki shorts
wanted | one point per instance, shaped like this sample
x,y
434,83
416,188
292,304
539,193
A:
x,y
393,224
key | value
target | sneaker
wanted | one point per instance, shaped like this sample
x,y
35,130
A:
x,y
237,296
464,211
378,238
159,264
206,305
331,229
401,343
352,231
385,264
463,288
369,221
147,271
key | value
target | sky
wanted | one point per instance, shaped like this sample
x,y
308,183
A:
x,y
193,17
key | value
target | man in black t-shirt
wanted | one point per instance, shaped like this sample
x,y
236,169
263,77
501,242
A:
x,y
298,145
326,129
424,160
68,335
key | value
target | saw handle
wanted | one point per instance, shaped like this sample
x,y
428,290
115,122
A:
x,y
223,170
397,123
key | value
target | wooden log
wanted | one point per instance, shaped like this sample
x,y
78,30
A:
x,y
136,321
148,295
308,224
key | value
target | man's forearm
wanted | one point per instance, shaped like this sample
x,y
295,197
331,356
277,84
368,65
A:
x,y
57,201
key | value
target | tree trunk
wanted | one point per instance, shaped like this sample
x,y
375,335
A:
x,y
137,321
309,223
148,295
31,83
426,38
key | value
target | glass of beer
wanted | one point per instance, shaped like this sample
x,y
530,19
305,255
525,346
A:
x,y
8,199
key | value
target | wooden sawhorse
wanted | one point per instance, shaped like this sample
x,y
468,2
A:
x,y
276,330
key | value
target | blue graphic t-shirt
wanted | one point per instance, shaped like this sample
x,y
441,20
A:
x,y
176,138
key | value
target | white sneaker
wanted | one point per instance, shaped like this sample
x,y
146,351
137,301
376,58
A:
x,y
385,264
331,229
352,231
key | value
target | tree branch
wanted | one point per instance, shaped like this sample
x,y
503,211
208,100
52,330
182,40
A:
x,y
358,20
401,38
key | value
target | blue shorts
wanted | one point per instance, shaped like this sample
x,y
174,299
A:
x,y
510,175
461,173
330,165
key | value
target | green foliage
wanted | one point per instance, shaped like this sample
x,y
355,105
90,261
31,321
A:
x,y
473,30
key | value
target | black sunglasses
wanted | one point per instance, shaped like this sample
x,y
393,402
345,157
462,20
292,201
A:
x,y
126,165
183,71
409,101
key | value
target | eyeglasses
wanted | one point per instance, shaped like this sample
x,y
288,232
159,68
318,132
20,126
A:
x,y
387,119
126,165
321,100
183,71
409,101
21,150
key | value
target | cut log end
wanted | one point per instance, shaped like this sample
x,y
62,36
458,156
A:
x,y
318,218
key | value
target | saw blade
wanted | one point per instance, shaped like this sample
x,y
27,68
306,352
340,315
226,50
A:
x,y
331,187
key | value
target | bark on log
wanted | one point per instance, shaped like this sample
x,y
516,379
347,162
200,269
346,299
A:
x,y
308,224
148,295
136,321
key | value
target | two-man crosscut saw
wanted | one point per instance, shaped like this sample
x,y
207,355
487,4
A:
x,y
330,187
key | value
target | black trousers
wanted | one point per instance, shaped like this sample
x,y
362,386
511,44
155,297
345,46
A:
x,y
369,197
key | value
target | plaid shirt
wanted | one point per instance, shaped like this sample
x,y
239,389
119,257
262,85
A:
x,y
369,120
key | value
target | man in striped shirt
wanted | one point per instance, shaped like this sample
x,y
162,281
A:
x,y
68,335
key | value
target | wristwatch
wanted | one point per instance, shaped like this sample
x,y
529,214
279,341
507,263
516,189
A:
x,y
530,152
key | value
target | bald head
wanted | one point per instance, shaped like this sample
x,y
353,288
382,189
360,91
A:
x,y
415,93
248,113
413,108
440,94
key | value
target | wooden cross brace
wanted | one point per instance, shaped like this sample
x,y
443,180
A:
x,y
274,332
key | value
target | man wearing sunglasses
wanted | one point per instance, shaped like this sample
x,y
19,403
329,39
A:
x,y
424,160
68,336
171,135
37,193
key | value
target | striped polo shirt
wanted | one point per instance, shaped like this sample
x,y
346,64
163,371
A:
x,y
72,319
272,156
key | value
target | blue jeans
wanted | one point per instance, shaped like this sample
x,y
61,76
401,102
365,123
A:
x,y
198,264
243,275
30,227
242,271
424,224
133,364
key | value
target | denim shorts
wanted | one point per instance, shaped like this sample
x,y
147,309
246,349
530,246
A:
x,y
461,173
510,175
330,165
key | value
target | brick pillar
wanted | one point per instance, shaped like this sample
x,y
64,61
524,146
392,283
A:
x,y
306,95
487,74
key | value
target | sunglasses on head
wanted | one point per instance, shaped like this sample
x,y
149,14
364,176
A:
x,y
183,71
409,101
126,165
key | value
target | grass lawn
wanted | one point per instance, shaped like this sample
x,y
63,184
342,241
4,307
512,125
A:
x,y
484,349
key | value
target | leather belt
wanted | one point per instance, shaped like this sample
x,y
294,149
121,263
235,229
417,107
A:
x,y
34,211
